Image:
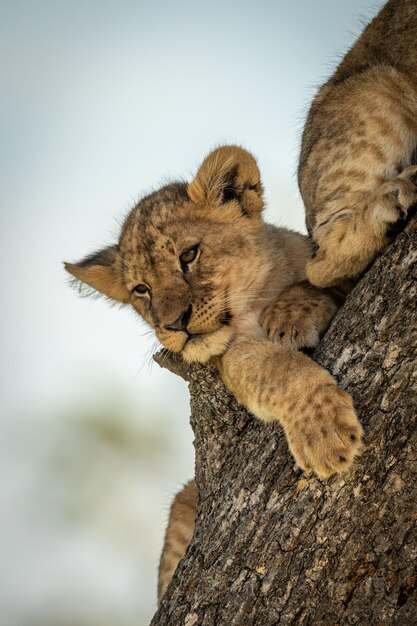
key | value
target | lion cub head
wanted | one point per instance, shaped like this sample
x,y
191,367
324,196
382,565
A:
x,y
190,257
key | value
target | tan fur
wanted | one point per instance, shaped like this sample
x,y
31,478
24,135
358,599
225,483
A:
x,y
178,534
102,272
300,317
242,298
357,170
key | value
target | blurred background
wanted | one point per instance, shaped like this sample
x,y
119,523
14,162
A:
x,y
100,103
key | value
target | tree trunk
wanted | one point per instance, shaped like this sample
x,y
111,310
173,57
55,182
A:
x,y
273,546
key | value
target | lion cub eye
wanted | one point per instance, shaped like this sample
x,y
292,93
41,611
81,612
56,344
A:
x,y
188,257
140,289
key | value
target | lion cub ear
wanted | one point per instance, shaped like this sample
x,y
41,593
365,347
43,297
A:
x,y
226,174
103,272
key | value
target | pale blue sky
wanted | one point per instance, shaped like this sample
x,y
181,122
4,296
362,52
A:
x,y
101,102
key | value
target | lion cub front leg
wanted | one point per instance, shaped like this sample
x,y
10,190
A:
x,y
300,317
318,418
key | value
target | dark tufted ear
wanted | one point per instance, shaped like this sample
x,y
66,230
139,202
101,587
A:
x,y
229,174
103,272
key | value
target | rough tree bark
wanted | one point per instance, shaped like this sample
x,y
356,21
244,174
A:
x,y
273,546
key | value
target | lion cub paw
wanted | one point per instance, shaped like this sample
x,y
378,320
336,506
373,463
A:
x,y
350,239
299,319
326,435
398,197
292,332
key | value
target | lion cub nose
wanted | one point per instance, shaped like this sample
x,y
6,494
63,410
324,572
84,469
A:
x,y
182,321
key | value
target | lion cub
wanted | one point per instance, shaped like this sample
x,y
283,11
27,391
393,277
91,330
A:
x,y
357,171
203,269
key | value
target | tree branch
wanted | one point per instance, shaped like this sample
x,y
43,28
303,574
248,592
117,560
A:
x,y
273,546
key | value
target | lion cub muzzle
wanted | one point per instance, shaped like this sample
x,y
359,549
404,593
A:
x,y
182,321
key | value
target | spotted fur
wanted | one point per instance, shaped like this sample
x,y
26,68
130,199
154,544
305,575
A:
x,y
178,533
357,172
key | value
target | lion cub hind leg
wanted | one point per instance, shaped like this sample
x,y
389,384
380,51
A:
x,y
356,172
322,429
178,534
300,317
348,241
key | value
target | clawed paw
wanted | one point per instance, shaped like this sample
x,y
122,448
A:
x,y
293,334
298,323
348,240
399,197
326,436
